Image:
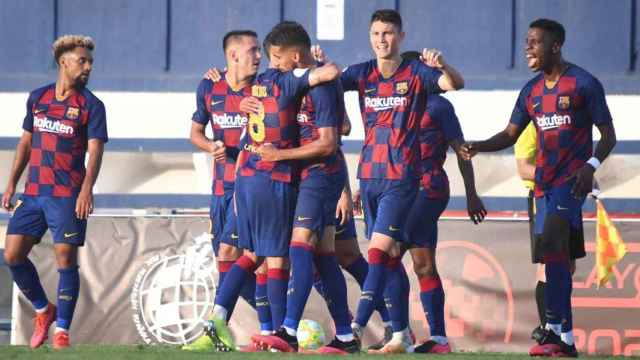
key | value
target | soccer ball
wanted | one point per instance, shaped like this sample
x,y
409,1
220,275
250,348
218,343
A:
x,y
310,334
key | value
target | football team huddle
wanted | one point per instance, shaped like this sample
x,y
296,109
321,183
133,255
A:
x,y
282,206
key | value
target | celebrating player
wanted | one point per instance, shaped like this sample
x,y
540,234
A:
x,y
218,103
64,121
564,101
264,192
392,95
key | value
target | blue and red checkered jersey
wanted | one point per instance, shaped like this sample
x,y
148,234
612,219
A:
x,y
219,104
322,107
438,127
60,131
391,111
281,95
563,116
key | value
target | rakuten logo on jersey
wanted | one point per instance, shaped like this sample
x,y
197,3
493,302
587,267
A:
x,y
546,122
226,121
47,125
384,103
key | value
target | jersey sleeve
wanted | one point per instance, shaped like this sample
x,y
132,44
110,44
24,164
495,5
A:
x,y
201,115
596,103
525,147
97,124
27,123
520,116
429,78
442,112
325,103
293,83
349,78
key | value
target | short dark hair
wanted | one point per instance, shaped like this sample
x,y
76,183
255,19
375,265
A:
x,y
554,28
410,55
288,34
235,35
389,16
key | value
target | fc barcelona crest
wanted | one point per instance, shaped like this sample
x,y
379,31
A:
x,y
73,112
564,102
259,91
402,87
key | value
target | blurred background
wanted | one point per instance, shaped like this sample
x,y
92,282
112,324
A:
x,y
151,54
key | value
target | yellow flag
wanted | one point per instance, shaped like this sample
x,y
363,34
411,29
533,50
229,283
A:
x,y
609,245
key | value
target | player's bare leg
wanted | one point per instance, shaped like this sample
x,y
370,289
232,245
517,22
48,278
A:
x,y
432,298
25,275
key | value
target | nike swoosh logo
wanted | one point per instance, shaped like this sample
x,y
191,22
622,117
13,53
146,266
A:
x,y
66,236
562,208
340,231
214,103
302,218
391,228
234,236
536,105
366,91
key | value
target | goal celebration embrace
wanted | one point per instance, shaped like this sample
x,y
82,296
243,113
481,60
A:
x,y
297,213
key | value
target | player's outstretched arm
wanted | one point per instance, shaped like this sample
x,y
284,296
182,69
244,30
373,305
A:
x,y
451,79
497,142
325,73
584,175
200,140
84,203
475,207
20,161
325,145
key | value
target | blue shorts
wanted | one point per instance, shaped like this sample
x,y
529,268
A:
x,y
265,214
223,221
422,223
35,214
386,205
346,231
561,202
318,197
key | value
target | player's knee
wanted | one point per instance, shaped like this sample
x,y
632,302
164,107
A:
x,y
13,258
228,252
425,269
303,236
345,259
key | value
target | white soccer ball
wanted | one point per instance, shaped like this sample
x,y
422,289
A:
x,y
310,335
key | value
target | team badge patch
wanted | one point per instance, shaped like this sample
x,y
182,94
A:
x,y
259,91
73,112
564,102
402,87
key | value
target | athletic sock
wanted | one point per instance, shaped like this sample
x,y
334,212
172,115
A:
x,y
557,289
540,288
68,290
228,294
262,304
359,269
26,277
432,298
396,294
319,286
336,288
301,257
277,281
567,316
373,285
248,291
223,268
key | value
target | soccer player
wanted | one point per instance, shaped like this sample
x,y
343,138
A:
x,y
64,121
218,104
563,101
323,177
393,96
264,190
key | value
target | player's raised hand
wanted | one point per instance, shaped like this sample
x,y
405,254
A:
x,y
476,209
584,181
433,58
84,204
344,210
250,105
213,74
318,54
467,150
218,151
6,198
357,203
268,152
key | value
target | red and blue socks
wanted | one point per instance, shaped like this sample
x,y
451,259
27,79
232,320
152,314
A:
x,y
396,293
68,290
359,269
373,286
432,298
262,305
234,280
277,282
301,257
